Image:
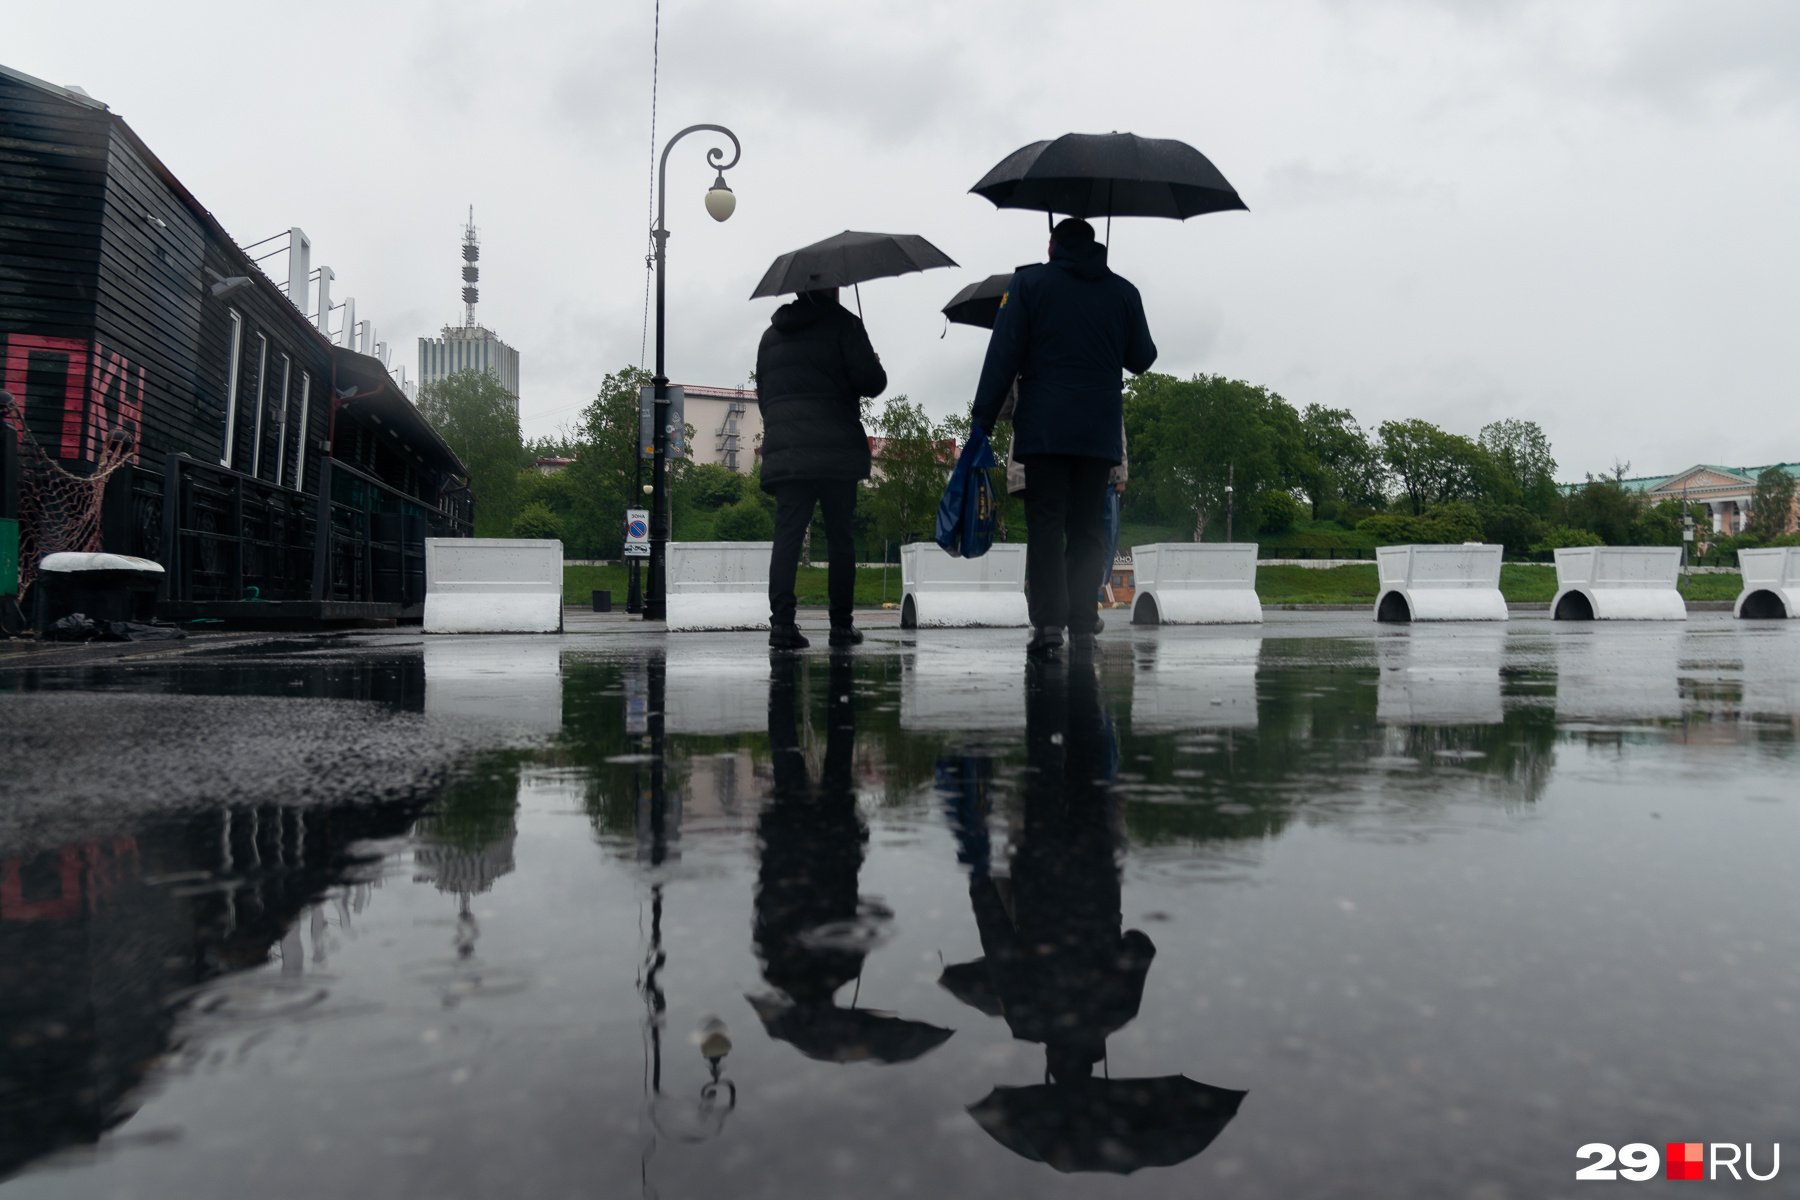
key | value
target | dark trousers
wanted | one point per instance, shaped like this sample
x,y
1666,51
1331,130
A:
x,y
1065,557
794,502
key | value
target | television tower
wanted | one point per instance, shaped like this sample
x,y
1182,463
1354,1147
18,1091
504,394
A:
x,y
471,273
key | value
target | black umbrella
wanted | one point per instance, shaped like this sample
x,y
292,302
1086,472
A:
x,y
1115,1125
1110,175
843,1035
979,303
849,258
970,983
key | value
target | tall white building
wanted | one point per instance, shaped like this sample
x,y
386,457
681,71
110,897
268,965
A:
x,y
470,347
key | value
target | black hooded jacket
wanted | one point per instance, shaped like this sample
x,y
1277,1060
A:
x,y
1065,329
812,368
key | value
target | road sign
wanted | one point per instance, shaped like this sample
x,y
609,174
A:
x,y
637,533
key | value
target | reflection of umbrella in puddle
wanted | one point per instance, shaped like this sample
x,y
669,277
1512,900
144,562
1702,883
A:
x,y
970,983
845,1035
1115,1125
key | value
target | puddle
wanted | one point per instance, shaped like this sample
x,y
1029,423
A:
x,y
1298,913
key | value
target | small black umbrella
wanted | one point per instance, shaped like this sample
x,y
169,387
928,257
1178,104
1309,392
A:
x,y
979,303
1110,175
970,983
1115,1125
849,258
844,1035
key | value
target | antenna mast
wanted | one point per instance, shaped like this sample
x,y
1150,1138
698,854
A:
x,y
471,252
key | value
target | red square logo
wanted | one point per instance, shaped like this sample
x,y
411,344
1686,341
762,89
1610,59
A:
x,y
1685,1160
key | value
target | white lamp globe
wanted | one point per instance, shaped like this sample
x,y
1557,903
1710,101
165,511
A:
x,y
721,202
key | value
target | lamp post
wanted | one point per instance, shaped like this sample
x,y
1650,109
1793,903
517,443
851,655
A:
x,y
720,202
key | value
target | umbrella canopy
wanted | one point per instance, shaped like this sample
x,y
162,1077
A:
x,y
1115,1125
970,983
1110,174
845,1035
979,303
849,258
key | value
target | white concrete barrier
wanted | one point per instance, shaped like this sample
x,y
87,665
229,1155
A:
x,y
1629,674
1618,583
1195,583
716,687
1194,681
1440,676
1440,583
939,591
718,585
493,585
1771,583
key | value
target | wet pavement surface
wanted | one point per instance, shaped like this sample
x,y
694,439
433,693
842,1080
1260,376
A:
x,y
1320,908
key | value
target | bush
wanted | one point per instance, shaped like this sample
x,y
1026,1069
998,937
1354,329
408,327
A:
x,y
1448,523
1558,537
1276,511
537,521
1512,526
745,521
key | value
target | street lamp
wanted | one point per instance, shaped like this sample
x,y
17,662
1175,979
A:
x,y
720,202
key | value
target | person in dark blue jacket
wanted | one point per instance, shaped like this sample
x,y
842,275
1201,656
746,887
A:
x,y
1067,330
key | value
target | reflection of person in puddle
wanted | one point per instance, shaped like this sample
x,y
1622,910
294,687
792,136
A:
x,y
1055,963
811,930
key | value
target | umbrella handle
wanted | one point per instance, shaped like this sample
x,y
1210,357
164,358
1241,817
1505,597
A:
x,y
857,288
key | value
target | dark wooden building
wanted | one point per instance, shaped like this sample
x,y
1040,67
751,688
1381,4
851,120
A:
x,y
266,465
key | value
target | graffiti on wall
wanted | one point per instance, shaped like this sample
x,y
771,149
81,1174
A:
x,y
93,390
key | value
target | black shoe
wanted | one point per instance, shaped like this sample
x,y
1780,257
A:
x,y
787,637
1083,647
1046,642
1099,625
845,635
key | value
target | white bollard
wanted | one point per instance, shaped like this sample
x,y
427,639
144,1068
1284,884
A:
x,y
1618,583
1184,683
718,585
1771,583
1440,583
938,591
1195,583
493,585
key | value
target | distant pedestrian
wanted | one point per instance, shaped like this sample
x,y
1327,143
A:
x,y
813,367
1067,330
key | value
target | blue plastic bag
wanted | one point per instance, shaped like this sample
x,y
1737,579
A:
x,y
965,520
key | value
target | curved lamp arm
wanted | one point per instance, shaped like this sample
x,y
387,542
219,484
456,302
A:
x,y
712,160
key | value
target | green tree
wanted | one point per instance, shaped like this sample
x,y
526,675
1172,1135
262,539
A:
x,y
912,464
1350,470
1276,511
1605,507
1521,453
600,483
1431,465
744,521
535,520
1211,432
1772,504
479,420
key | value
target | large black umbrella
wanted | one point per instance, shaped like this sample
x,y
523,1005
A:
x,y
979,303
1115,1125
844,1035
848,258
1109,175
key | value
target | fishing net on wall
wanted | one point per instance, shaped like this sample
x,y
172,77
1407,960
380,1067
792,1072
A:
x,y
58,510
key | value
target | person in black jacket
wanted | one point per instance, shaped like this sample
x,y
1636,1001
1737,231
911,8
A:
x,y
813,367
1066,329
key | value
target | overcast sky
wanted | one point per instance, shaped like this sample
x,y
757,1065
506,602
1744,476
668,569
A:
x,y
1583,214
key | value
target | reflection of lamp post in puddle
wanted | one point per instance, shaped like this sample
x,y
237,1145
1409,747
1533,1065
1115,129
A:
x,y
700,1119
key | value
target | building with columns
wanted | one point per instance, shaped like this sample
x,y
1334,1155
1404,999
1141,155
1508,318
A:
x,y
1726,491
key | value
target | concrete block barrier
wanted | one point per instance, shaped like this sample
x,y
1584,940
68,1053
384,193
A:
x,y
1195,583
496,680
718,585
963,683
1771,583
1618,583
493,585
1440,583
938,591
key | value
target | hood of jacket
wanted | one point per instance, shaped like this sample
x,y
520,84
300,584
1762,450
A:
x,y
798,314
1084,260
